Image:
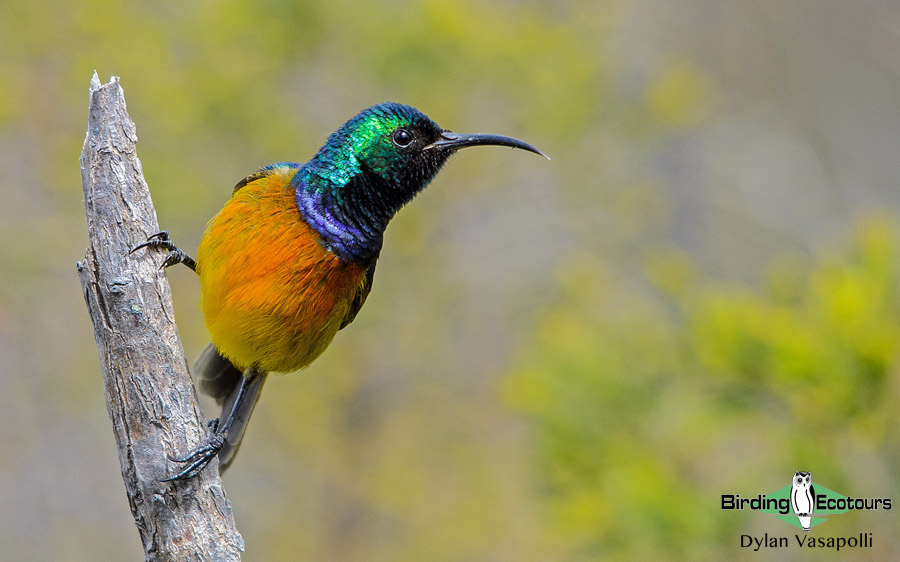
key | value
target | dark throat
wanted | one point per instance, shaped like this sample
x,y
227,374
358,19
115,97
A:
x,y
350,218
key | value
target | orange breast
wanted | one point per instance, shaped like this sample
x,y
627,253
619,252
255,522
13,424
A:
x,y
272,295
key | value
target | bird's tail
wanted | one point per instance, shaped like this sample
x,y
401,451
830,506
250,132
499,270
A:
x,y
220,379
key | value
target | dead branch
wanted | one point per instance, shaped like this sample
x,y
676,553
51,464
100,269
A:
x,y
149,395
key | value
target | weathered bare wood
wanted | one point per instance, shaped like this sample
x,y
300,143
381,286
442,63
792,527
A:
x,y
149,395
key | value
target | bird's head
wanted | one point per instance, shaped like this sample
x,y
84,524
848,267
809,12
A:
x,y
400,146
374,164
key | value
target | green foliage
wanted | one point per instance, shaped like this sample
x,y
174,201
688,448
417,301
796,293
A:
x,y
648,408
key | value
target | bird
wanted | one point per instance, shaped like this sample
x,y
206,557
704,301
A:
x,y
803,498
290,259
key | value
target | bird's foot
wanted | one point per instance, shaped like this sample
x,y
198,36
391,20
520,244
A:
x,y
161,241
202,455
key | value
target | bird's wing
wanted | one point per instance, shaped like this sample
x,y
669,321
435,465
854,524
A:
x,y
360,298
263,172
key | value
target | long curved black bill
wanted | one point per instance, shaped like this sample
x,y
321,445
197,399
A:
x,y
454,141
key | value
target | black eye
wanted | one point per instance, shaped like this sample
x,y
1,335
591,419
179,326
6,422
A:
x,y
402,138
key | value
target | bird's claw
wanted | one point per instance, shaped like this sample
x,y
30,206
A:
x,y
161,241
201,456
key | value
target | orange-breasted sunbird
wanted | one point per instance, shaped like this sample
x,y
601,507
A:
x,y
290,258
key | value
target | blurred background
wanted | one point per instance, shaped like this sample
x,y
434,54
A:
x,y
568,360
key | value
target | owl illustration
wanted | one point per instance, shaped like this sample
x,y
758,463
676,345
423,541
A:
x,y
803,498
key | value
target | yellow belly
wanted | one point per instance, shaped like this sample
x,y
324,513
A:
x,y
272,296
